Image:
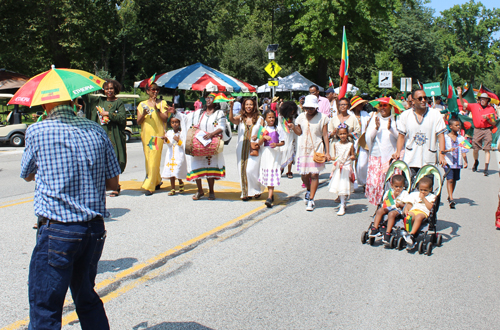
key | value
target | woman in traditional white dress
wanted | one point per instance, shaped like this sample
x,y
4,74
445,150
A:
x,y
311,128
361,163
249,123
212,122
288,114
344,116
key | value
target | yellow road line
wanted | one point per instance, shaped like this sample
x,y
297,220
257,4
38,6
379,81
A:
x,y
19,199
9,205
114,294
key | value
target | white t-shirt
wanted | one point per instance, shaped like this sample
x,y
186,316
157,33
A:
x,y
421,138
418,204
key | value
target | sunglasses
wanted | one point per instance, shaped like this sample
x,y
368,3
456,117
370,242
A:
x,y
421,98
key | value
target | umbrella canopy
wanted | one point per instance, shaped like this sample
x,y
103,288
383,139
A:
x,y
56,85
11,80
143,83
397,105
201,77
291,83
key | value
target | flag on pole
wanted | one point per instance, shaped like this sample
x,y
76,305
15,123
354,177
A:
x,y
448,91
408,224
469,95
420,86
465,144
389,201
493,96
344,67
330,82
285,126
151,80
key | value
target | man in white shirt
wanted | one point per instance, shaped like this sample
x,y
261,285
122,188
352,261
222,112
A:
x,y
420,129
333,99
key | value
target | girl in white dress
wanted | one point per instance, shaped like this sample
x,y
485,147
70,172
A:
x,y
270,162
249,122
340,178
175,159
288,113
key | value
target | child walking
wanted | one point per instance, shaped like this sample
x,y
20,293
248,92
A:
x,y
270,162
175,159
342,172
456,150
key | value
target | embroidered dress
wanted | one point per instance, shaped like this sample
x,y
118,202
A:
x,y
248,166
340,184
152,127
270,168
175,159
203,167
309,142
287,151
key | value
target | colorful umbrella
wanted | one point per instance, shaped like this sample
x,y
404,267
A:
x,y
200,77
397,105
219,98
56,85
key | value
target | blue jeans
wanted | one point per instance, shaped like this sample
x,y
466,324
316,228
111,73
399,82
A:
x,y
66,255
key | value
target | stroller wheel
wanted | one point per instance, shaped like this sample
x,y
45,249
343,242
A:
x,y
428,251
421,247
371,240
439,240
401,243
392,242
364,236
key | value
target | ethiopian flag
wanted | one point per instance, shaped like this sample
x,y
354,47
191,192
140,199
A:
x,y
285,126
151,80
153,143
448,91
389,201
330,82
344,67
465,144
407,221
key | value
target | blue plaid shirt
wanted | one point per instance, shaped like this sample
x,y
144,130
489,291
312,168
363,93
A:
x,y
71,157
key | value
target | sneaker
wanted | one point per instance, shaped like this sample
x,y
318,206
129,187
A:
x,y
476,164
452,204
410,241
387,238
269,203
310,205
374,232
306,198
341,210
486,173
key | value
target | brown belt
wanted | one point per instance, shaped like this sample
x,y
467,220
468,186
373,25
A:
x,y
43,221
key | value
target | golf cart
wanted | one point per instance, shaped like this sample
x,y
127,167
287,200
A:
x,y
12,129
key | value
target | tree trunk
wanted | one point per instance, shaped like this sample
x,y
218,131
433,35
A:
x,y
321,74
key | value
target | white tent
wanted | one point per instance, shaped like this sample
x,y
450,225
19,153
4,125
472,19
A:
x,y
350,89
291,83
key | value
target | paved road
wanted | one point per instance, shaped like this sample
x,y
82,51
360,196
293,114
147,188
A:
x,y
172,263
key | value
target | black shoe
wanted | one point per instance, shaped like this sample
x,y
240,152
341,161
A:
x,y
486,173
374,232
269,203
387,238
476,164
158,187
148,193
452,204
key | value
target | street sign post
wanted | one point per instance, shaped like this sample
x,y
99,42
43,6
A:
x,y
273,83
272,69
406,84
385,79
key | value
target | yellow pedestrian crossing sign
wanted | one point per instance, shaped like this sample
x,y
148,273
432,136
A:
x,y
273,83
272,69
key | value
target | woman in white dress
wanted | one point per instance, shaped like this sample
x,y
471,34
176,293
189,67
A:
x,y
361,164
344,116
212,168
311,128
288,113
249,122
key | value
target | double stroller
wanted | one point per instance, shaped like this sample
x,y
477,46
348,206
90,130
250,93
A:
x,y
427,236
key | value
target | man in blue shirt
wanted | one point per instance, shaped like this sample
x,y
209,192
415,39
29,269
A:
x,y
73,163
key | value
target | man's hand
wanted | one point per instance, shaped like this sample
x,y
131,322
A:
x,y
396,155
459,91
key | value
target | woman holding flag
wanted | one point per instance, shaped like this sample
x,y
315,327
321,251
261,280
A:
x,y
249,124
152,115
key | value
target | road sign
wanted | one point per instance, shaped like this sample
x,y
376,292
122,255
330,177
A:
x,y
271,55
385,79
432,89
273,83
406,84
272,69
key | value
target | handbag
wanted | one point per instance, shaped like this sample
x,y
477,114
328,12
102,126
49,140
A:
x,y
195,148
319,157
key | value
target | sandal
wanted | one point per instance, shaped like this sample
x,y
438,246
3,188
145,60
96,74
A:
x,y
246,199
171,192
197,196
181,187
289,175
116,192
211,196
158,187
257,196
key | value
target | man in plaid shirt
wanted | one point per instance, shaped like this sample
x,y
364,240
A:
x,y
73,163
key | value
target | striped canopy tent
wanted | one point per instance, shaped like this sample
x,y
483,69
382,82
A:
x,y
200,77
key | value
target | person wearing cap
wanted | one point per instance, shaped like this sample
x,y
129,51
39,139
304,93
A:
x,y
483,125
333,99
357,105
73,163
323,103
311,129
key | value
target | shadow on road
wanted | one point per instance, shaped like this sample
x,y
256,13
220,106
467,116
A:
x,y
443,224
171,326
464,200
117,212
115,265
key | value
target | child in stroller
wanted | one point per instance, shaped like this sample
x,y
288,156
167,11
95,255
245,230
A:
x,y
417,209
392,207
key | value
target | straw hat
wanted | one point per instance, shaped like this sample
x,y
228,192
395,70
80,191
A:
x,y
275,99
356,100
484,96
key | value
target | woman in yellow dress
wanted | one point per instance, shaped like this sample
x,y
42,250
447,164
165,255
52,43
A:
x,y
152,115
